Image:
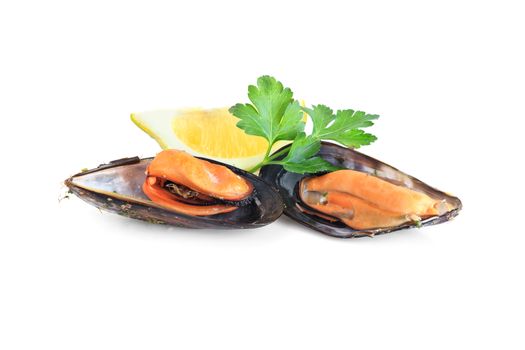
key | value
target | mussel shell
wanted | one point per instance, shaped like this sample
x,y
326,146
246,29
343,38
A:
x,y
117,187
286,184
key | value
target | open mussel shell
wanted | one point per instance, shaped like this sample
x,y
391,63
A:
x,y
287,185
117,187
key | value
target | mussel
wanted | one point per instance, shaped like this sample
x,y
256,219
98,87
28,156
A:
x,y
180,190
366,198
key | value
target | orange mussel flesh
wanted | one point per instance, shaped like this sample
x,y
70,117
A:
x,y
363,201
192,186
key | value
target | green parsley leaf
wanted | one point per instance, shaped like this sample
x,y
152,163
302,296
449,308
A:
x,y
321,116
311,165
303,147
343,127
273,114
301,156
356,138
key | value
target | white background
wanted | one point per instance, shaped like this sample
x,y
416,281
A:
x,y
447,78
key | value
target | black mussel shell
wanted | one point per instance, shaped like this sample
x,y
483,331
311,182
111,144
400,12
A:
x,y
117,187
286,183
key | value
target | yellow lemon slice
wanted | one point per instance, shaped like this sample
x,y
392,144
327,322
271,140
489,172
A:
x,y
209,133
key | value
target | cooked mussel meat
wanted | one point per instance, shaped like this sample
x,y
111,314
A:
x,y
177,180
364,201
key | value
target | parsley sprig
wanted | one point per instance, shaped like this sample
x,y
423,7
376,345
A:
x,y
275,115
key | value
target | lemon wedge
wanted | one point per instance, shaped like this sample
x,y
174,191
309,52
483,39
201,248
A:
x,y
208,133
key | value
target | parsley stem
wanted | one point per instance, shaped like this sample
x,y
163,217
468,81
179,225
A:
x,y
265,159
279,153
259,166
255,168
269,159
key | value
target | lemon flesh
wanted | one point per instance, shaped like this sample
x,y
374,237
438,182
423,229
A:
x,y
209,133
214,133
